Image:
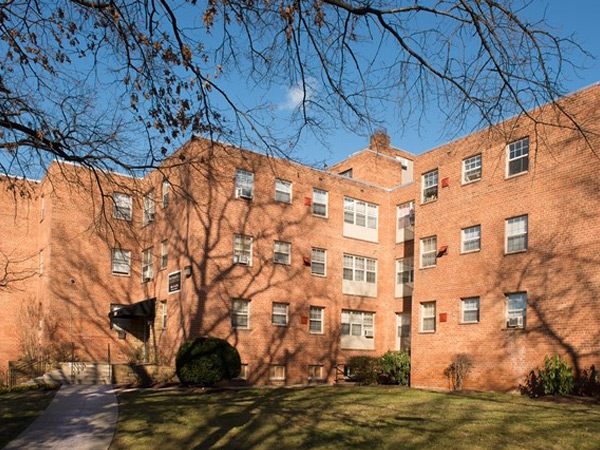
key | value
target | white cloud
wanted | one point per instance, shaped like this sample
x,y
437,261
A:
x,y
297,93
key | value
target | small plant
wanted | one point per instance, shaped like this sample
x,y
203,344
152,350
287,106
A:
x,y
556,376
394,368
364,369
588,382
458,370
206,361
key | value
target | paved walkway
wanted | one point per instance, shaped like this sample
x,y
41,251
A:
x,y
80,417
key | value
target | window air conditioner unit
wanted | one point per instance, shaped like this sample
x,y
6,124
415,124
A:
x,y
243,193
146,279
515,322
241,259
369,333
151,217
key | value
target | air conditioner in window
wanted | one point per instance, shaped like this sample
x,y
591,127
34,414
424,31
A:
x,y
515,322
146,279
241,259
243,193
369,333
150,217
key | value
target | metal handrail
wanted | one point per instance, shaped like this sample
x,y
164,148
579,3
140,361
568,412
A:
x,y
15,367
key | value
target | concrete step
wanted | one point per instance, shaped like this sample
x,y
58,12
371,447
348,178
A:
x,y
79,373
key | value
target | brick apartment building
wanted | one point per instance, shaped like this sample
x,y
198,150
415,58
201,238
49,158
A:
x,y
487,246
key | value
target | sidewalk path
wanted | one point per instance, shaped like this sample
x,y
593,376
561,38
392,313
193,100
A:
x,y
80,417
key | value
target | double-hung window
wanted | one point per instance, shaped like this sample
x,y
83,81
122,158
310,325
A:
x,y
163,305
281,314
517,157
148,208
359,268
318,262
242,249
516,310
41,263
471,169
405,272
315,372
244,184
277,373
470,310
147,272
430,186
283,191
122,206
359,213
240,313
166,187
471,239
320,202
121,261
357,323
428,317
164,254
316,319
516,234
428,251
405,215
282,252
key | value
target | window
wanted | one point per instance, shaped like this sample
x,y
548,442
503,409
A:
x,y
516,310
166,187
242,249
358,268
163,315
430,186
517,157
277,373
320,200
318,262
406,216
428,251
41,262
316,320
315,373
164,254
470,310
240,314
360,213
243,372
147,272
283,191
428,317
357,323
282,252
471,239
244,184
472,169
516,234
42,209
121,261
405,272
347,173
148,208
174,281
121,206
281,312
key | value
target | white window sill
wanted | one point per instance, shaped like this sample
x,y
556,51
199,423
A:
x,y
427,332
471,251
465,183
428,267
516,175
124,275
320,216
280,324
174,292
428,202
515,252
469,323
320,333
318,275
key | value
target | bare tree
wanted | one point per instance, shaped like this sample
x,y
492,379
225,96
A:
x,y
84,80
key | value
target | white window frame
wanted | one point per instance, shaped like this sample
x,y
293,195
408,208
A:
x,y
242,249
520,146
324,201
147,264
164,254
279,248
315,261
235,313
243,372
244,184
510,233
360,213
357,265
320,312
405,216
123,262
466,307
163,314
405,266
166,187
283,188
472,169
515,313
466,238
273,376
318,368
41,262
42,209
354,319
425,307
122,206
429,182
426,241
285,314
149,208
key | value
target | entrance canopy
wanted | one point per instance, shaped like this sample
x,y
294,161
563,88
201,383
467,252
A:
x,y
140,310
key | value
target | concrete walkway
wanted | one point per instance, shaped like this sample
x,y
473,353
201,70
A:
x,y
80,417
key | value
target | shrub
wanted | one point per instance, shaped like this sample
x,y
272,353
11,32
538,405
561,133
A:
x,y
458,370
588,382
556,376
206,361
394,368
364,369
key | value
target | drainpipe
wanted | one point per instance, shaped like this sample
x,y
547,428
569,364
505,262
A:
x,y
71,283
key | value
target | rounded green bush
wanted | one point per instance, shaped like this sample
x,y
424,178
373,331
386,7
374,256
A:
x,y
206,361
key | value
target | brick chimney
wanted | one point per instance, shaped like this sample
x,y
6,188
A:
x,y
380,141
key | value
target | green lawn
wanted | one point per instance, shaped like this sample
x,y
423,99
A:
x,y
19,408
351,417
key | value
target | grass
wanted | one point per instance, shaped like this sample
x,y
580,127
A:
x,y
351,417
19,408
